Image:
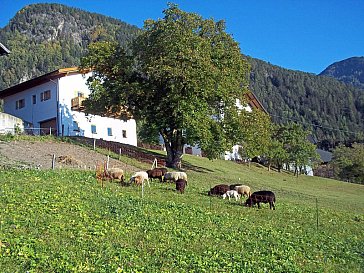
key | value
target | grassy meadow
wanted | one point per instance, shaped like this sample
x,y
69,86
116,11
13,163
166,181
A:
x,y
64,221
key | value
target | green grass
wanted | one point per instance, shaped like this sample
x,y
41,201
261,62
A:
x,y
64,221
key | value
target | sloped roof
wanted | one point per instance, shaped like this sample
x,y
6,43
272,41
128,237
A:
x,y
37,81
324,155
253,102
3,50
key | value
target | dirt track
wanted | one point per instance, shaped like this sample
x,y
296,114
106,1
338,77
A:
x,y
39,154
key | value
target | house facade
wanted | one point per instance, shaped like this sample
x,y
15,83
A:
x,y
52,104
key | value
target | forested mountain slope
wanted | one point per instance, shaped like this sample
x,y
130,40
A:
x,y
45,37
350,71
334,110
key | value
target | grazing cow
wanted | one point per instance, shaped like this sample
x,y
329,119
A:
x,y
231,193
261,197
181,185
155,173
219,189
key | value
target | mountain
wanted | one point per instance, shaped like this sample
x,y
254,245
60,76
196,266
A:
x,y
45,37
332,109
350,71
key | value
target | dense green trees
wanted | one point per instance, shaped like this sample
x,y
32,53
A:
x,y
182,78
333,111
348,163
350,71
290,146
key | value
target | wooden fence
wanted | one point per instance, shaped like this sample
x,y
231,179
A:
x,y
121,149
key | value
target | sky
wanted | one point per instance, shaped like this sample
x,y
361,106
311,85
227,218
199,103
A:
x,y
304,35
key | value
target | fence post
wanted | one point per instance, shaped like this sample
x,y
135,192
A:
x,y
155,163
317,215
119,153
50,131
53,161
94,144
142,189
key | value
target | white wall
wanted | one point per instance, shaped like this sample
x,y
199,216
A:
x,y
33,113
9,122
233,154
69,87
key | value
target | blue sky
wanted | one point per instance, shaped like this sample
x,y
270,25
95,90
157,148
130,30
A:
x,y
303,35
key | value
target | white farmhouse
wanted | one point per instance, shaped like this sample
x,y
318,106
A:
x,y
52,103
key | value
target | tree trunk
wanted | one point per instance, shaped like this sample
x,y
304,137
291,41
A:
x,y
279,166
174,146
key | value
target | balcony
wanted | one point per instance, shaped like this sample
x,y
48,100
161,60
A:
x,y
76,104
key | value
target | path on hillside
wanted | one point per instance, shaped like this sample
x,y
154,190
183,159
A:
x,y
40,154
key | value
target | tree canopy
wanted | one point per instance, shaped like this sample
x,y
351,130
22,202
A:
x,y
182,76
348,163
289,145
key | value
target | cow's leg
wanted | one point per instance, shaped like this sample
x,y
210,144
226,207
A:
x,y
258,205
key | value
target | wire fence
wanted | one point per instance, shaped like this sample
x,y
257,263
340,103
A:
x,y
41,131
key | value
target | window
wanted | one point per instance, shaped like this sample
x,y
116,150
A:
x,y
75,126
80,94
34,99
124,133
109,131
20,104
93,129
46,95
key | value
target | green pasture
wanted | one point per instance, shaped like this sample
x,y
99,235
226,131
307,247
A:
x,y
65,221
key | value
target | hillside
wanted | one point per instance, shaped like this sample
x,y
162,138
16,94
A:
x,y
30,154
57,36
65,221
333,110
350,71
46,37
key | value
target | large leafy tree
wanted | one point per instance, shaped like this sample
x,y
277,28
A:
x,y
290,145
254,134
182,76
348,163
300,151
